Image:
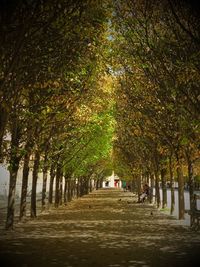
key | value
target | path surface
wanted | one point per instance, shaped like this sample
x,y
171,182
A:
x,y
104,228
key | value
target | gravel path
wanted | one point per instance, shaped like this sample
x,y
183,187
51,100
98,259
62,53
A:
x,y
104,228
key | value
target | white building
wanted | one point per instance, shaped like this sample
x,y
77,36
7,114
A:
x,y
5,179
112,181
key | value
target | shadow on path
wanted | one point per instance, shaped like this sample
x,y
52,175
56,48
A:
x,y
104,228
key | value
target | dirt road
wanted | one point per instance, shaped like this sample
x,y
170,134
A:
x,y
104,228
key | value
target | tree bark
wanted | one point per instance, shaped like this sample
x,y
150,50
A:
x,y
44,181
151,188
181,203
65,189
91,189
139,186
190,181
87,185
79,187
69,190
101,182
157,188
164,187
61,188
52,176
97,184
24,185
72,188
13,168
34,184
57,189
156,173
171,185
44,186
11,196
3,122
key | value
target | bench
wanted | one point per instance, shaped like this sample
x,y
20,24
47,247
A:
x,y
195,214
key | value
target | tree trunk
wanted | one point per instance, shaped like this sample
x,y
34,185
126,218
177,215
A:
x,y
133,185
181,203
69,190
81,186
139,186
101,182
72,188
11,196
164,187
13,168
57,190
44,186
52,176
3,122
44,181
190,178
156,173
34,184
61,188
157,188
191,182
91,189
78,187
151,188
97,184
65,189
171,185
24,185
86,185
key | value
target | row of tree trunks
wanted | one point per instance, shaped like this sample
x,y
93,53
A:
x,y
72,188
180,178
155,178
62,194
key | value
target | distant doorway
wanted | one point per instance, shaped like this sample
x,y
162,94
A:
x,y
107,183
116,183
